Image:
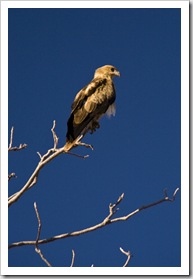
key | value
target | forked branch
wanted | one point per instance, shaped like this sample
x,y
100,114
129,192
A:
x,y
38,237
128,254
107,221
37,249
15,148
44,159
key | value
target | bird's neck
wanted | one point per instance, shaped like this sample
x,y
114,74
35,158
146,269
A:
x,y
102,76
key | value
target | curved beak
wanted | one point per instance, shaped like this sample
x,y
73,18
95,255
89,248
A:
x,y
117,73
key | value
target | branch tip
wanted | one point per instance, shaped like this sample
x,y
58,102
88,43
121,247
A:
x,y
54,125
128,254
86,156
11,175
175,192
39,155
55,138
173,196
77,155
37,249
121,197
73,257
11,138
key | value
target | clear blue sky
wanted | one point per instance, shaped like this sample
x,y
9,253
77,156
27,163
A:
x,y
53,53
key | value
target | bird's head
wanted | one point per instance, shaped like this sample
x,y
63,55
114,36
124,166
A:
x,y
106,71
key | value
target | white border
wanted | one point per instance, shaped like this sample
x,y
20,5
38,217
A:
x,y
184,269
94,4
184,137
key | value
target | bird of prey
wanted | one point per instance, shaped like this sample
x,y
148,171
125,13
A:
x,y
91,103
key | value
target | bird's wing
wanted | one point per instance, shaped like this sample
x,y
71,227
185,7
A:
x,y
89,105
87,99
87,91
92,102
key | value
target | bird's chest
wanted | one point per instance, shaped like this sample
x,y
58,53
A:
x,y
105,92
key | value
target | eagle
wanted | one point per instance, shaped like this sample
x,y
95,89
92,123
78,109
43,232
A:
x,y
91,103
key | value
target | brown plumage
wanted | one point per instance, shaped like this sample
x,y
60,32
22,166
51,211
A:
x,y
92,102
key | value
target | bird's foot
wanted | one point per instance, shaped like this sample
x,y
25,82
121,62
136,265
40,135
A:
x,y
79,143
95,125
69,145
85,144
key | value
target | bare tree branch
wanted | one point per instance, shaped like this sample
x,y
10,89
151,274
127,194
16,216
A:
x,y
11,138
38,236
73,257
11,175
33,178
106,221
77,155
77,142
37,249
166,198
15,148
44,159
55,138
128,254
113,209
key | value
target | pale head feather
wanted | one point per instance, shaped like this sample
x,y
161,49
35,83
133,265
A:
x,y
106,71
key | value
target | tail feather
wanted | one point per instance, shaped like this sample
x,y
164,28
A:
x,y
74,131
68,146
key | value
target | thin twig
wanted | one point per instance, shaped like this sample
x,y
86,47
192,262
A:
x,y
38,236
39,155
55,138
166,198
11,175
18,148
73,257
11,138
113,209
128,254
77,155
15,148
106,221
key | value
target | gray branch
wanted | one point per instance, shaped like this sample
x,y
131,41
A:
x,y
106,221
45,159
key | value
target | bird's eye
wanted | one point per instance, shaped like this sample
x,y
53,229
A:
x,y
112,69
